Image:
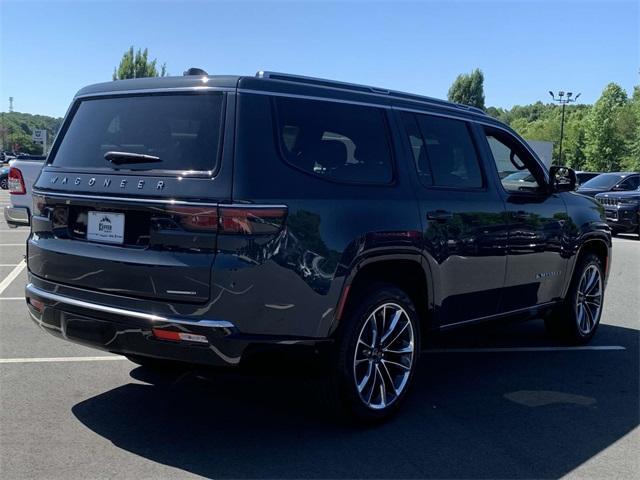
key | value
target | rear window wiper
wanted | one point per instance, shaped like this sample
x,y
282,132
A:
x,y
119,158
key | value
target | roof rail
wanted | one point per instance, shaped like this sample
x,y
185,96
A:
x,y
363,88
471,107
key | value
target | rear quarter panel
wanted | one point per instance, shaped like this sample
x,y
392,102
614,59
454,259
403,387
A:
x,y
296,278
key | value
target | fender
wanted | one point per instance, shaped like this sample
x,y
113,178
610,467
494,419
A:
x,y
369,259
599,234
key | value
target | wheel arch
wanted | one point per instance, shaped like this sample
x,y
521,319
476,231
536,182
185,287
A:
x,y
599,245
409,272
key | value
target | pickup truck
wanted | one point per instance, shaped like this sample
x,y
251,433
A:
x,y
23,172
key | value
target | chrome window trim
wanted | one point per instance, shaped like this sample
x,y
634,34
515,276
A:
x,y
496,125
473,118
312,97
32,289
373,91
155,90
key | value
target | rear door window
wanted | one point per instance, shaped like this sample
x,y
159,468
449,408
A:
x,y
183,131
341,142
443,150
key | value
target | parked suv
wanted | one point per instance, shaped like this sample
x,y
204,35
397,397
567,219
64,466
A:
x,y
207,219
610,182
622,210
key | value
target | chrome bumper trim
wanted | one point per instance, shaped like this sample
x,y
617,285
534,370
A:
x,y
16,215
32,289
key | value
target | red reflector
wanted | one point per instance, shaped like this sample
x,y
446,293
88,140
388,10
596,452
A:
x,y
37,304
166,335
16,182
342,302
178,336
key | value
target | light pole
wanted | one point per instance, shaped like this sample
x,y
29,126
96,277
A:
x,y
562,100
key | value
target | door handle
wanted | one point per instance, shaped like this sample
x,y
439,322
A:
x,y
521,215
439,215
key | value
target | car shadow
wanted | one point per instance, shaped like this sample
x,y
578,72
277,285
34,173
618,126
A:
x,y
470,415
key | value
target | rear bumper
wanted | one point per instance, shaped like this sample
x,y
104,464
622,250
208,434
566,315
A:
x,y
16,216
131,332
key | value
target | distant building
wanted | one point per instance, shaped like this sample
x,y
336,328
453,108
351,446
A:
x,y
544,150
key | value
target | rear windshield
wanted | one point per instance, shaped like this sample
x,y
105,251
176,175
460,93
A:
x,y
182,130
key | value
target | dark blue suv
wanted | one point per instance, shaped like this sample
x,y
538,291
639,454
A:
x,y
209,219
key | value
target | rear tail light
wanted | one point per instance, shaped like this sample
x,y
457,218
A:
x,y
199,219
39,204
37,304
16,182
250,220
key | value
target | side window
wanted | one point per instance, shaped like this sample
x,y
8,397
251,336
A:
x,y
516,173
418,148
447,156
629,183
346,143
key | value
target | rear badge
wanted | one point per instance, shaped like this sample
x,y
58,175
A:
x,y
106,182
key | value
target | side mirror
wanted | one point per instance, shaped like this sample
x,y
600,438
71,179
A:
x,y
618,188
562,179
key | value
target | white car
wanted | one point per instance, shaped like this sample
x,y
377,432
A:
x,y
23,172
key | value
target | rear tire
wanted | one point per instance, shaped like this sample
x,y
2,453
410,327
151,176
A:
x,y
376,354
4,184
577,319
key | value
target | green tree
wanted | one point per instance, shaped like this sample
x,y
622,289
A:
x,y
137,65
631,120
16,129
605,145
468,89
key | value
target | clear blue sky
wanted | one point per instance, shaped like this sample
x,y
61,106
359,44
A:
x,y
51,49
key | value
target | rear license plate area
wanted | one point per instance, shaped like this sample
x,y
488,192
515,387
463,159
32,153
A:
x,y
105,227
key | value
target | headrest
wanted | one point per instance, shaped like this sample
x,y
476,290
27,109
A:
x,y
330,154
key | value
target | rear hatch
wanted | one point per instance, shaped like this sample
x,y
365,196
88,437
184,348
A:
x,y
128,201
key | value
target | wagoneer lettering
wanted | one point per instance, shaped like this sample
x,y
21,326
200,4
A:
x,y
258,214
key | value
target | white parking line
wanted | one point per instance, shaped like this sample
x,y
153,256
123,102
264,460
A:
x,y
14,244
524,349
12,276
59,359
453,350
11,298
8,264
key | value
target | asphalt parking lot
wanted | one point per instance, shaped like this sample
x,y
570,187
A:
x,y
498,401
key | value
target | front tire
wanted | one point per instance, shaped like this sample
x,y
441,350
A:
x,y
577,319
376,354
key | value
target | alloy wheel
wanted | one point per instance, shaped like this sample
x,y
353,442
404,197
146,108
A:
x,y
589,299
384,356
